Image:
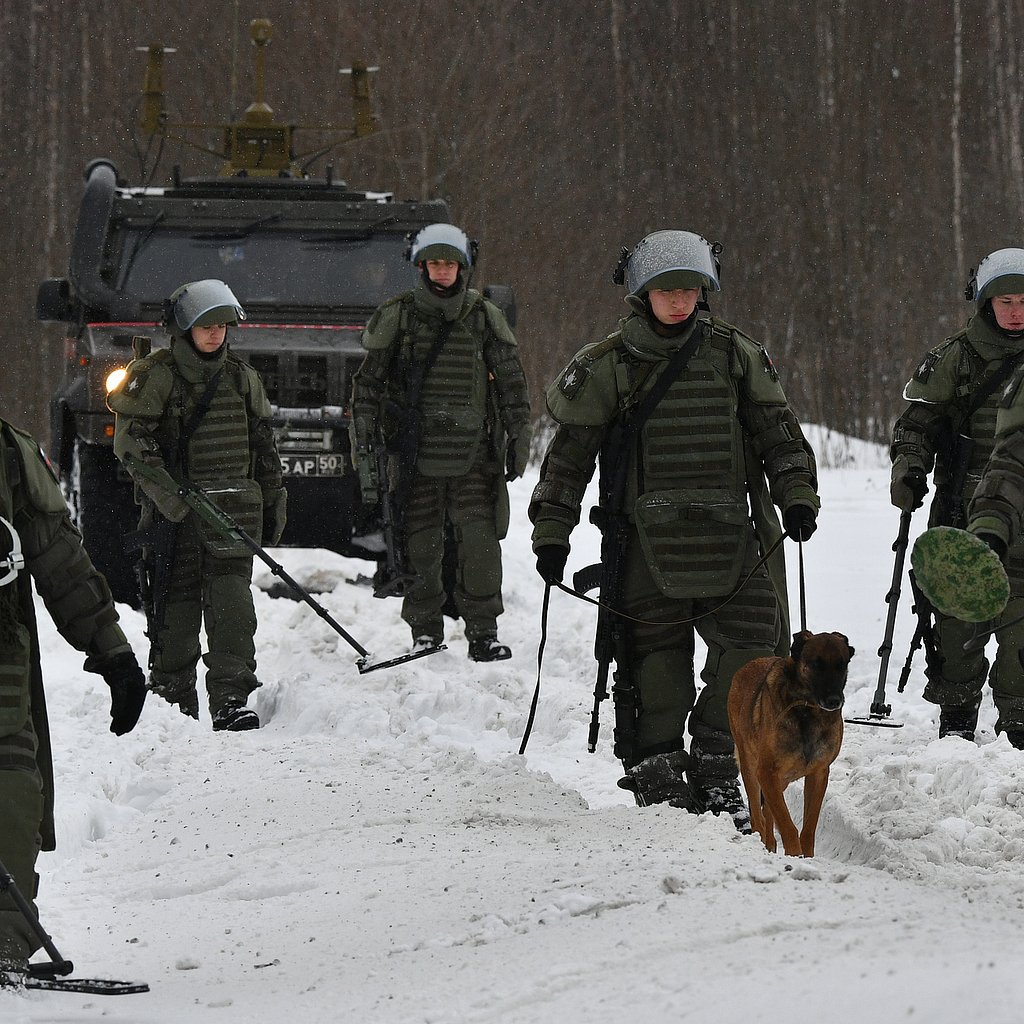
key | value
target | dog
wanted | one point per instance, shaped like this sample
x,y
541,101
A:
x,y
787,724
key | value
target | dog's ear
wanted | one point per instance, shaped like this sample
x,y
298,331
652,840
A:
x,y
846,640
799,639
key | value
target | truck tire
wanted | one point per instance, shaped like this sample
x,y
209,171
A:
x,y
103,506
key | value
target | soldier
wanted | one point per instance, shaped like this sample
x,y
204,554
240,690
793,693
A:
x,y
38,540
196,412
443,382
690,412
950,426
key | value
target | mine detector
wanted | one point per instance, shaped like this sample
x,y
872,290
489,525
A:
x,y
310,259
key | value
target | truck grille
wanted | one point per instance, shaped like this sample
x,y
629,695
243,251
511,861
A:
x,y
300,380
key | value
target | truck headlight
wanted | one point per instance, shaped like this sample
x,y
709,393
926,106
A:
x,y
114,378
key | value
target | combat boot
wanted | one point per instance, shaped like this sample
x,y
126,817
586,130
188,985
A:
x,y
958,720
177,692
715,786
487,648
234,716
659,779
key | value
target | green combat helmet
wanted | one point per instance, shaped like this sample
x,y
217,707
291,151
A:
x,y
960,574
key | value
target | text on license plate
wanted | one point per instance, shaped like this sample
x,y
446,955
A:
x,y
317,464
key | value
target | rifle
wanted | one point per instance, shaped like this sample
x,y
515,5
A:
x,y
203,507
395,577
156,547
610,637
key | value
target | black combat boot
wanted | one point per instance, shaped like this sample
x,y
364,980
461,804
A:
x,y
234,716
659,779
487,648
715,786
958,720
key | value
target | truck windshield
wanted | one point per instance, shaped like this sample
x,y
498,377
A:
x,y
285,268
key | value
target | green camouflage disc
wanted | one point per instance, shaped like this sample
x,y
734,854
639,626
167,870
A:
x,y
960,574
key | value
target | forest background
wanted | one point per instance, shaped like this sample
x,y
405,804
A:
x,y
855,159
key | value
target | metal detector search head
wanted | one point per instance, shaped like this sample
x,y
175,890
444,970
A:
x,y
363,667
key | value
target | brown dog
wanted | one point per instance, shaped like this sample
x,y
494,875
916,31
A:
x,y
786,721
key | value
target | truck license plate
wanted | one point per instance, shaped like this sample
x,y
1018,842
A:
x,y
316,464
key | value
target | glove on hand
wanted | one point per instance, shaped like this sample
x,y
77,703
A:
x,y
997,544
127,689
908,491
274,516
517,456
551,559
799,522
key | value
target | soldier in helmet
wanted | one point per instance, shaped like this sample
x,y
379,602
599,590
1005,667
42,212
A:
x,y
39,544
442,360
196,412
949,427
686,416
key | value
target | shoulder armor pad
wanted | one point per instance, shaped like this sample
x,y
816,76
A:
x,y
935,378
585,392
145,388
497,323
385,324
41,486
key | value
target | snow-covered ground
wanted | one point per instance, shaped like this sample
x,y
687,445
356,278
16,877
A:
x,y
379,852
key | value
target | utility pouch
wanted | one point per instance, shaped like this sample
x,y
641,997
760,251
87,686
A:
x,y
14,678
242,500
694,542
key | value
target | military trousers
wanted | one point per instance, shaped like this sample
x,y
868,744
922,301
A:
x,y
469,503
214,592
957,677
659,653
21,816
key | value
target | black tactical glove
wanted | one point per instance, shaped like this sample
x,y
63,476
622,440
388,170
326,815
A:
x,y
127,684
997,544
511,472
274,516
908,491
799,521
551,559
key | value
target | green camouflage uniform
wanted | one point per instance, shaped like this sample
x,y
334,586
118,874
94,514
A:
x,y
474,408
940,394
703,453
78,599
232,456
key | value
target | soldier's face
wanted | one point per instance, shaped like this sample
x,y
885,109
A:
x,y
675,305
208,339
443,272
1009,311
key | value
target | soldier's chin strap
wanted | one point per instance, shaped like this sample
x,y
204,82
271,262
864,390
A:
x,y
14,561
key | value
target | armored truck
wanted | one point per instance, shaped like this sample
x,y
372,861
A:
x,y
310,260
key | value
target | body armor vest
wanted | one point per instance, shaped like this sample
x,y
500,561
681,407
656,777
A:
x,y
691,506
453,399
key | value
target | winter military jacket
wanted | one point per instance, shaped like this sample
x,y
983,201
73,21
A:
x,y
998,502
939,429
230,454
698,468
471,404
75,594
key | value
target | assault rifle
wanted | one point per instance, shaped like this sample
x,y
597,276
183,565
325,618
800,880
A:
x,y
203,507
155,548
394,578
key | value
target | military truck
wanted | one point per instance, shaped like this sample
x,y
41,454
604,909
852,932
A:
x,y
310,260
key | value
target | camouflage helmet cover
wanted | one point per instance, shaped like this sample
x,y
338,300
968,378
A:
x,y
999,273
204,303
670,259
442,242
960,574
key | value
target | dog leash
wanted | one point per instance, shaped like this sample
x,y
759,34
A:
x,y
803,590
631,618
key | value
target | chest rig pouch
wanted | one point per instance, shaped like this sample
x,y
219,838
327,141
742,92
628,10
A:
x,y
691,511
15,641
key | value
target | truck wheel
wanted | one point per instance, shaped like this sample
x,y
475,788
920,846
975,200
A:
x,y
104,510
